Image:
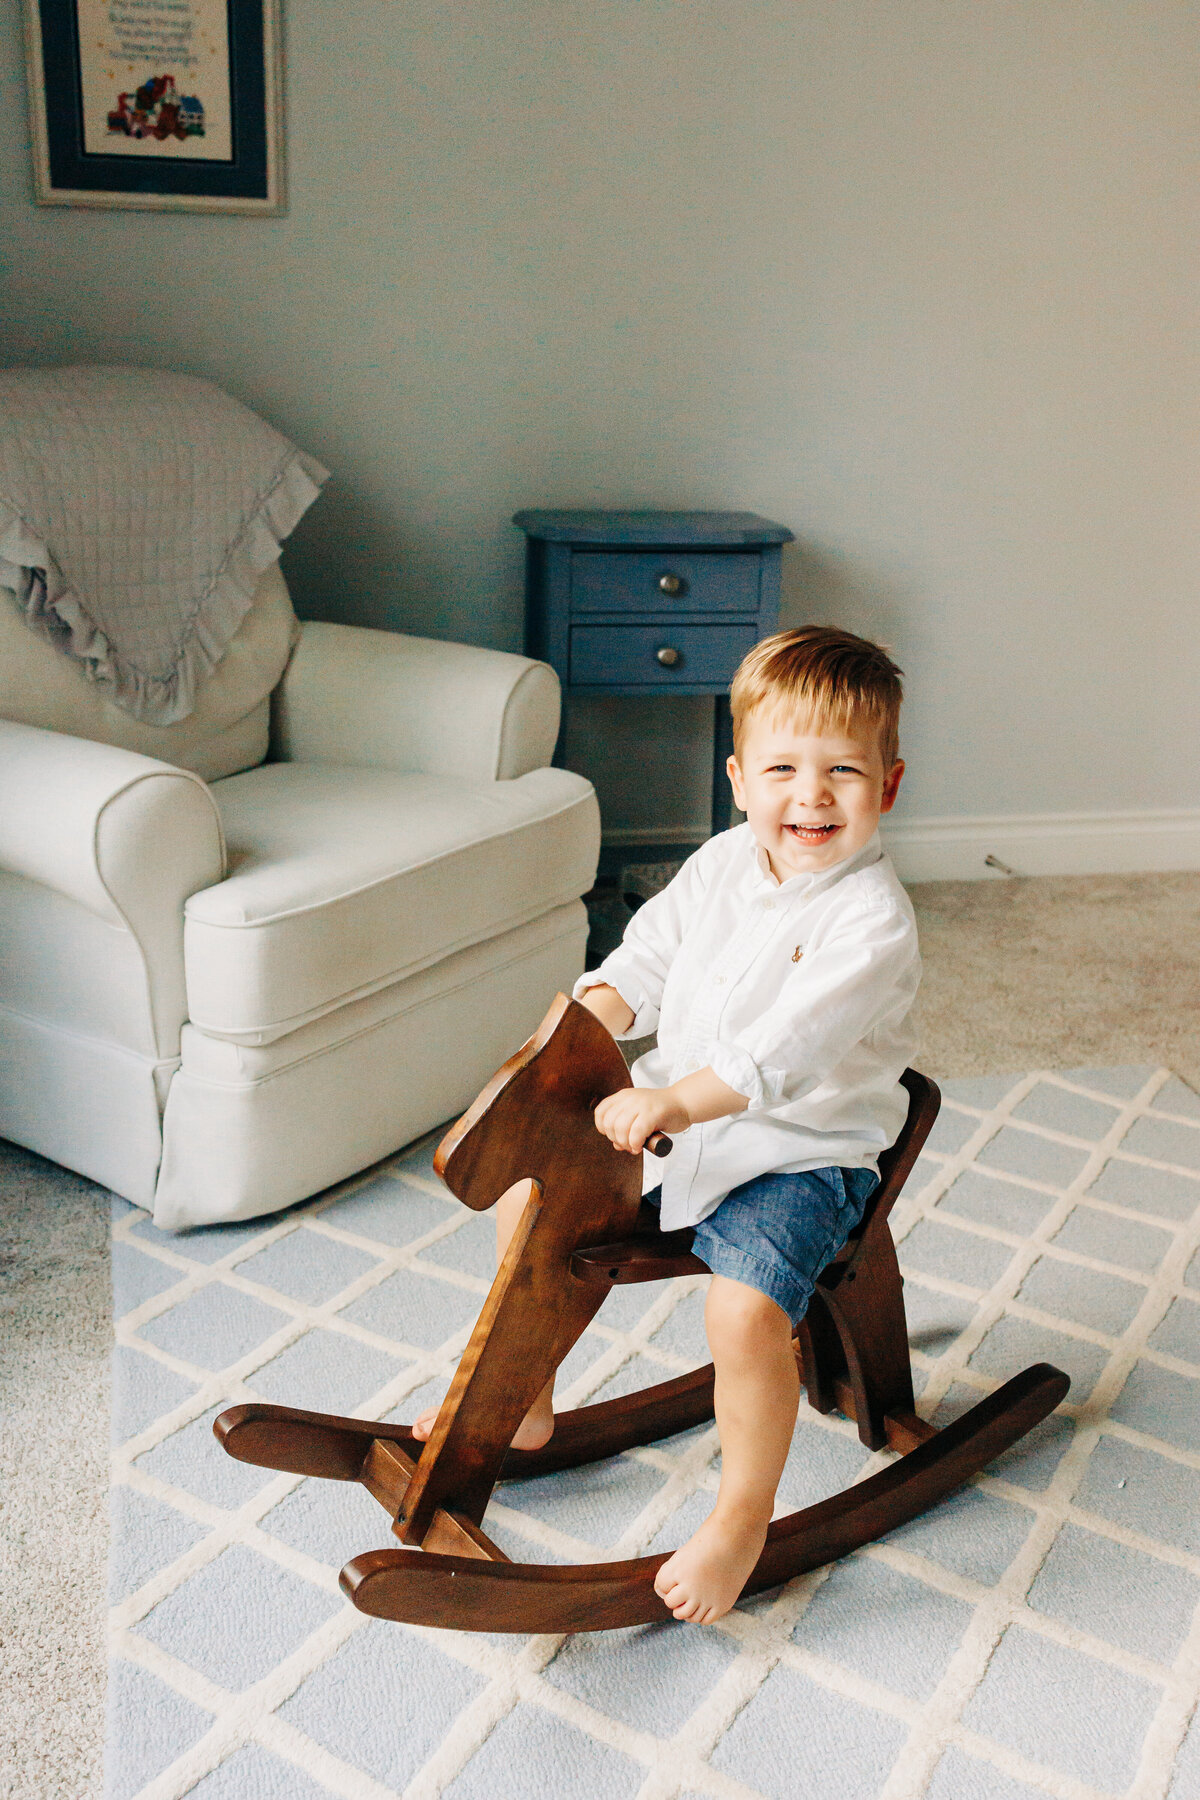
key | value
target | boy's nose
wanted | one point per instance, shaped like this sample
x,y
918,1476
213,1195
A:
x,y
811,790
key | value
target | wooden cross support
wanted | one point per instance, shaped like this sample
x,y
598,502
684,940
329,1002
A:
x,y
581,1233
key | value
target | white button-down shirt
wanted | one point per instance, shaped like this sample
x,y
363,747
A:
x,y
796,994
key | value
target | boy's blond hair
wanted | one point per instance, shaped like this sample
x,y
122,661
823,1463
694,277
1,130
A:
x,y
830,676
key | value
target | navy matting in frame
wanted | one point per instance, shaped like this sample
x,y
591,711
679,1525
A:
x,y
73,169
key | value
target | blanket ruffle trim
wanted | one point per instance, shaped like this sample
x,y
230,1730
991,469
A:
x,y
53,610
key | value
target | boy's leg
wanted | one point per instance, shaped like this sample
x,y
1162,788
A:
x,y
756,1398
537,1427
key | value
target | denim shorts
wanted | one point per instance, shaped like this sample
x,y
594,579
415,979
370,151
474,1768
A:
x,y
777,1232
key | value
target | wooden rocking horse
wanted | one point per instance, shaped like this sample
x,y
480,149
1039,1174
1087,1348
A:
x,y
580,1234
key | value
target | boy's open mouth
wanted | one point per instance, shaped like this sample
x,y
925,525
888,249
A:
x,y
812,834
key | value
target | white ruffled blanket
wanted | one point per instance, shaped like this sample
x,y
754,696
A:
x,y
137,511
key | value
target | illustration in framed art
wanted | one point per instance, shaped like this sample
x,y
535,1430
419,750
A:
x,y
157,103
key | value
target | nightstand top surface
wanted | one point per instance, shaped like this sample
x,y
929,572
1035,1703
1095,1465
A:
x,y
716,530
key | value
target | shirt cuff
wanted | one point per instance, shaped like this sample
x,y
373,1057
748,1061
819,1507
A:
x,y
645,1017
738,1070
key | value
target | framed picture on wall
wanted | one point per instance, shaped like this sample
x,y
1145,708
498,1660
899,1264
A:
x,y
157,103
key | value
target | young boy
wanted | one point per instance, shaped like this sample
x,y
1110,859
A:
x,y
778,968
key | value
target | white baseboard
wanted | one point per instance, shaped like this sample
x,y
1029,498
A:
x,y
1125,843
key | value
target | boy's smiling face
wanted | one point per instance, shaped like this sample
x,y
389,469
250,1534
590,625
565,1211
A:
x,y
812,795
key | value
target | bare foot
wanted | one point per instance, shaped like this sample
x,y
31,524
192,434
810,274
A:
x,y
535,1429
702,1580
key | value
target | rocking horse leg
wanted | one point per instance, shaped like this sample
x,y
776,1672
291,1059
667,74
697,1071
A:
x,y
819,1352
868,1311
382,1457
304,1443
527,1326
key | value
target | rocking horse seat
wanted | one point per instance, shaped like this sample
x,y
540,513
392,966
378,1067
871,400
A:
x,y
583,1231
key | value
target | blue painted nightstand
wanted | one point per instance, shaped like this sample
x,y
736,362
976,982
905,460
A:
x,y
651,603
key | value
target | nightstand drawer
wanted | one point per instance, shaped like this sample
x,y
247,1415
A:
x,y
623,581
657,656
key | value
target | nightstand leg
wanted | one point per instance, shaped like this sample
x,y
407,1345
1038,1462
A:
x,y
722,751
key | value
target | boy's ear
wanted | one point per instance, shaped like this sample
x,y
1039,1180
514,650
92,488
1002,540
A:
x,y
734,772
891,787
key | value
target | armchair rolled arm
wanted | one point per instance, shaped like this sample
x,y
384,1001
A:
x,y
383,699
124,836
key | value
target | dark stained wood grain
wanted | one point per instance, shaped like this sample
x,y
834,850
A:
x,y
386,1474
868,1314
467,1595
591,1433
638,1259
581,1232
534,1121
304,1443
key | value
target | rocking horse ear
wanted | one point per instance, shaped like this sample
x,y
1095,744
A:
x,y
560,1075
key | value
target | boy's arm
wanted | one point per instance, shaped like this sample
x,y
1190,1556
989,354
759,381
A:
x,y
613,1012
637,969
634,1114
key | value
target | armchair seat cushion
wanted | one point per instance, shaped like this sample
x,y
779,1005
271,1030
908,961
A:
x,y
344,880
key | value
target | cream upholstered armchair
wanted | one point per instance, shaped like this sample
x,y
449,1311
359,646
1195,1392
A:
x,y
228,982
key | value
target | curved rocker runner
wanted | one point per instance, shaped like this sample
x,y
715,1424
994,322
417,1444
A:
x,y
581,1234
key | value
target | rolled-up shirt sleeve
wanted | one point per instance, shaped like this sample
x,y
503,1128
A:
x,y
638,967
844,989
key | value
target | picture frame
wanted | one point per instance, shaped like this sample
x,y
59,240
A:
x,y
157,104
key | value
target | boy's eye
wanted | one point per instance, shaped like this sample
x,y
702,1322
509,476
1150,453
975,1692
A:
x,y
837,769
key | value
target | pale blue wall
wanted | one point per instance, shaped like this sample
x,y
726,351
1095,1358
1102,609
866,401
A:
x,y
916,278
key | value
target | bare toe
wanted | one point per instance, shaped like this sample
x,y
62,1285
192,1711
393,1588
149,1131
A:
x,y
701,1581
423,1425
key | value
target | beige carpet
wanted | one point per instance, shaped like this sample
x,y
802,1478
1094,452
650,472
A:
x,y
1058,972
1050,973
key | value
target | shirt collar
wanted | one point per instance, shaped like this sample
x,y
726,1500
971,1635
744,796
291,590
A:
x,y
817,881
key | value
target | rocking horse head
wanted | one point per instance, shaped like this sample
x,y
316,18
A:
x,y
534,1119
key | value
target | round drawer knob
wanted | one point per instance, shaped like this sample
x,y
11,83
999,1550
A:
x,y
671,584
666,656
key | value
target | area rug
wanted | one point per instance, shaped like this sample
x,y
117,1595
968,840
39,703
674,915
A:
x,y
1038,1634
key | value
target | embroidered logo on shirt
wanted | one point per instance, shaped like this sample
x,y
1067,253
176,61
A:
x,y
797,953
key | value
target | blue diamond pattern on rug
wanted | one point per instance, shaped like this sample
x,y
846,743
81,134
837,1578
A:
x,y
327,1371
1040,1628
143,1391
1096,1739
149,1725
307,1265
1116,1593
893,1629
848,1747
237,1617
651,1678
532,1754
408,1695
1179,1333
252,1773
